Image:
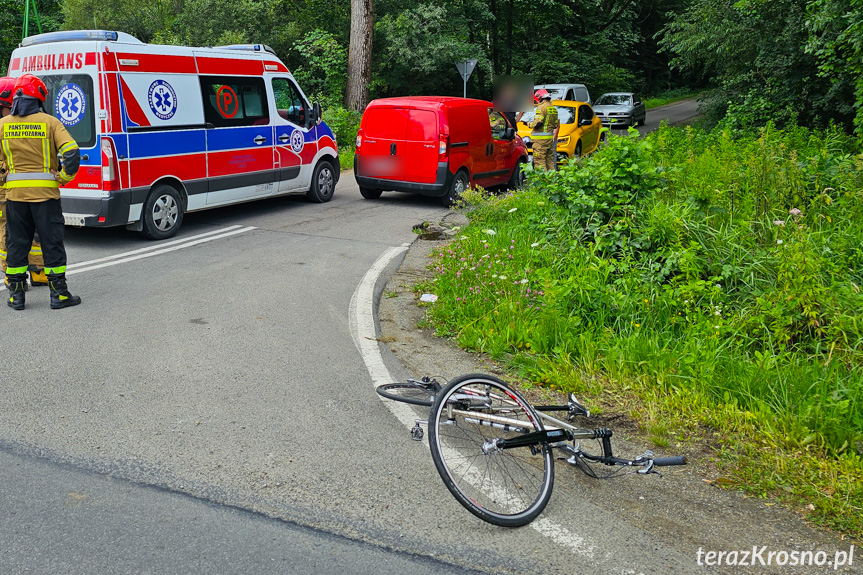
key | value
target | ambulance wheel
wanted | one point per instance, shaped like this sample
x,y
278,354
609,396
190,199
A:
x,y
369,193
163,213
323,183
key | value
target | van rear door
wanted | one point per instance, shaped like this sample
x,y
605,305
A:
x,y
421,146
383,146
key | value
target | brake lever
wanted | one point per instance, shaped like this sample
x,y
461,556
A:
x,y
576,408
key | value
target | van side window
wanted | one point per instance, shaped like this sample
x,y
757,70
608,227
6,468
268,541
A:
x,y
233,101
289,102
498,124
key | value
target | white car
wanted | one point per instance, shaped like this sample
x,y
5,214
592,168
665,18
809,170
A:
x,y
571,92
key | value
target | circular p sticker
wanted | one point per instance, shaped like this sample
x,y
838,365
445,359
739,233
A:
x,y
70,104
297,141
227,102
162,99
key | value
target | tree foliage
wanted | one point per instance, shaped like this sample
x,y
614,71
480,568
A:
x,y
757,55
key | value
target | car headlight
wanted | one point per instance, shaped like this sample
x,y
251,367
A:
x,y
563,141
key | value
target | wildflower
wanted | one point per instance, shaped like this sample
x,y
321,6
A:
x,y
534,244
462,237
490,232
502,277
778,222
524,281
512,210
779,242
794,212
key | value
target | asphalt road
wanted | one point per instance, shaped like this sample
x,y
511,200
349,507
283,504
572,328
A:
x,y
681,112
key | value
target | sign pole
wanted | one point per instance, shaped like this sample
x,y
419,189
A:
x,y
465,68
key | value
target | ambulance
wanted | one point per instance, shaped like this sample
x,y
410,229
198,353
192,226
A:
x,y
165,130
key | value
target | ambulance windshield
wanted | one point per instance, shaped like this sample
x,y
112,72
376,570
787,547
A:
x,y
70,99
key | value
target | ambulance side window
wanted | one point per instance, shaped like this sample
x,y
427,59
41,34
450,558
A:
x,y
290,104
233,101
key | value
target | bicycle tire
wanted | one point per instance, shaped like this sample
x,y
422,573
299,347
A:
x,y
508,487
414,393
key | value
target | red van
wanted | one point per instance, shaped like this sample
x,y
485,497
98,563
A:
x,y
435,146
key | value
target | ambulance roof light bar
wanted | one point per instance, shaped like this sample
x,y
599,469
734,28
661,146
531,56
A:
x,y
77,35
250,47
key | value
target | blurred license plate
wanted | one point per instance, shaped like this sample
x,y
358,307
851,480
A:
x,y
74,220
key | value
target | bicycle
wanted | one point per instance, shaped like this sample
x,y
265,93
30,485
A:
x,y
495,454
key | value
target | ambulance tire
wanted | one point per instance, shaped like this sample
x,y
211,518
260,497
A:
x,y
163,213
323,183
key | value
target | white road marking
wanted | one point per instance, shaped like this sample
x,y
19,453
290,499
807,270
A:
x,y
151,251
157,252
150,248
362,323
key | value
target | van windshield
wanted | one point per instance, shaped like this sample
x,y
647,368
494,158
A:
x,y
70,100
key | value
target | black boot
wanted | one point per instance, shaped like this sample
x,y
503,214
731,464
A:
x,y
17,284
60,296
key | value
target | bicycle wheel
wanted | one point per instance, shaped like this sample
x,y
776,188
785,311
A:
x,y
420,393
506,487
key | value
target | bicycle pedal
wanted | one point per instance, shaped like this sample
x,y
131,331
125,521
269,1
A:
x,y
417,432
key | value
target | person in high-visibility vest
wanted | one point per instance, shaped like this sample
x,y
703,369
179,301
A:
x,y
37,266
30,143
544,128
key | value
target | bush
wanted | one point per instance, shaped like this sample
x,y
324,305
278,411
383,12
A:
x,y
716,276
344,123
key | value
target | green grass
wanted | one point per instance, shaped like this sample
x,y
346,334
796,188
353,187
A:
x,y
346,157
707,284
669,97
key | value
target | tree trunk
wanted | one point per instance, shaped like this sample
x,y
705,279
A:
x,y
359,55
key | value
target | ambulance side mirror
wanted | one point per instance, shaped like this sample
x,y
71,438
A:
x,y
316,114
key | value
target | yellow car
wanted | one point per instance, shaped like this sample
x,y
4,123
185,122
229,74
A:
x,y
580,130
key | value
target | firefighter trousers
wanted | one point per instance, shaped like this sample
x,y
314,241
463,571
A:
x,y
543,155
23,220
35,255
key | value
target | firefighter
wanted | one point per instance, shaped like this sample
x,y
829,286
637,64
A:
x,y
36,267
544,128
30,142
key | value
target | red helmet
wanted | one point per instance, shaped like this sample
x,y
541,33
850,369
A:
x,y
30,85
541,94
7,88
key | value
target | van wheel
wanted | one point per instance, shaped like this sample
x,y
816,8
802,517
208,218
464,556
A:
x,y
323,183
370,194
163,213
516,182
460,183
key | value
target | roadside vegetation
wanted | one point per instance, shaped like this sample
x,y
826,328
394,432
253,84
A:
x,y
669,97
707,283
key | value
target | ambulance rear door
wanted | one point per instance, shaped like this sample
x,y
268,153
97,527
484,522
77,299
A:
x,y
70,72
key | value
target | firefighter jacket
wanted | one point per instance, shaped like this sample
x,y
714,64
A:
x,y
544,122
29,146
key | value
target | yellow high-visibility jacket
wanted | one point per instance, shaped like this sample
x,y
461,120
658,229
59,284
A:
x,y
29,146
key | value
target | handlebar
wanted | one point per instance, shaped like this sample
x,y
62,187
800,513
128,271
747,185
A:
x,y
664,461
